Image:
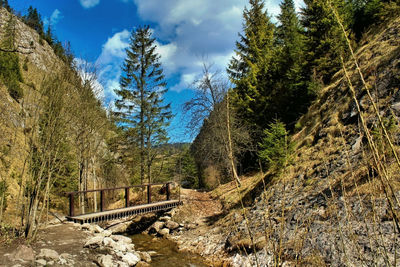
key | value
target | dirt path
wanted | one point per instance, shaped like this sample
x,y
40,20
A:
x,y
64,238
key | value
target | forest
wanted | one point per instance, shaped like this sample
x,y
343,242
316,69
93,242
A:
x,y
248,119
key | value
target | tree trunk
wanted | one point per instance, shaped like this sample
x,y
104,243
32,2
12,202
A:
x,y
230,150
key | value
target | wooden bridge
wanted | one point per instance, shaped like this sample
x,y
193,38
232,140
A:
x,y
132,206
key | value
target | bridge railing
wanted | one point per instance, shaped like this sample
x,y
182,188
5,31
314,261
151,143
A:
x,y
148,189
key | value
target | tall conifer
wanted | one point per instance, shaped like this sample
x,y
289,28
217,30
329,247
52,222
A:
x,y
249,69
141,96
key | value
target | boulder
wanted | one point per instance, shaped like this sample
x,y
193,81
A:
x,y
123,264
165,218
122,239
118,228
131,259
118,246
105,261
108,242
145,256
164,232
172,225
41,262
106,233
48,254
85,226
94,242
142,264
156,227
96,229
24,253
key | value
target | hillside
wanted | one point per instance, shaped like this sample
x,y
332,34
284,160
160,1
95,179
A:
x,y
331,206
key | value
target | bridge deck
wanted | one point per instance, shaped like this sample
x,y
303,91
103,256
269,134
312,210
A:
x,y
124,212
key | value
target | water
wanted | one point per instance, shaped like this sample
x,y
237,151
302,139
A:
x,y
166,252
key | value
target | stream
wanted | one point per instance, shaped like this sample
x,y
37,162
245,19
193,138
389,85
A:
x,y
166,252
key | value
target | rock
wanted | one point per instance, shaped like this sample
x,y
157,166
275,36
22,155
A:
x,y
119,228
105,261
123,264
106,233
164,232
145,256
130,247
65,256
24,253
357,145
142,264
131,259
152,253
121,238
41,262
48,254
172,225
190,226
165,218
118,246
97,229
156,227
108,242
94,242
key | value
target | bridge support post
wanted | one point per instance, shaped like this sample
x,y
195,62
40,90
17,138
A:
x,y
71,205
149,193
102,200
127,197
168,191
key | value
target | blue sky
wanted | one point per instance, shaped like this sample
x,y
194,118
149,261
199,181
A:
x,y
186,31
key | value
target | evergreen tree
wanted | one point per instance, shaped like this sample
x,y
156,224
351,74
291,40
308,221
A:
x,y
250,69
48,36
291,96
4,3
33,20
325,41
141,96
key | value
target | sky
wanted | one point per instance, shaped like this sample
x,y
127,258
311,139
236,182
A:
x,y
187,33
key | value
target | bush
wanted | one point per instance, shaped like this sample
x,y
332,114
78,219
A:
x,y
276,149
10,74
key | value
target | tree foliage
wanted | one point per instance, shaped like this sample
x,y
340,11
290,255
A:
x,y
140,102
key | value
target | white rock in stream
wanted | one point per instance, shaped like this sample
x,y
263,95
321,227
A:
x,y
105,261
121,238
131,259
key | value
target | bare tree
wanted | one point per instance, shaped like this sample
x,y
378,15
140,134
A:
x,y
219,133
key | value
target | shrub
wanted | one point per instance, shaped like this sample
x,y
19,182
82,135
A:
x,y
276,149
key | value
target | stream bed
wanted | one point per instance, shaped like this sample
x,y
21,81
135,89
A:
x,y
166,252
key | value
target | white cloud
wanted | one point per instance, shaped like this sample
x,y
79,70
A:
x,y
55,17
114,47
89,3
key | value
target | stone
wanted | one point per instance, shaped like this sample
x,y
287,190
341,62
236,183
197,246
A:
x,y
145,256
41,262
118,246
49,254
172,225
142,264
105,261
156,227
118,228
65,256
106,233
96,229
152,253
85,226
123,264
165,218
131,259
121,238
130,247
24,253
94,242
164,232
357,145
108,242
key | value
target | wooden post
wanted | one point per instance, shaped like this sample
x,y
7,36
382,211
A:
x,y
167,191
149,193
71,205
127,197
102,200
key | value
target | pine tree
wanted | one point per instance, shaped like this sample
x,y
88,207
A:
x,y
291,96
141,96
33,20
249,70
325,41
